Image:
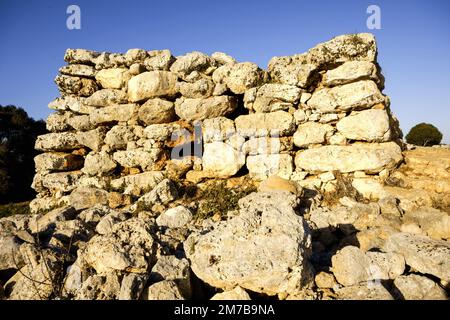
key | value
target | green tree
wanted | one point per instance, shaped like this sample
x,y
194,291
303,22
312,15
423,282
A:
x,y
18,134
424,134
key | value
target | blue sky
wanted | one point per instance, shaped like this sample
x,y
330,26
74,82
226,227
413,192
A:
x,y
414,46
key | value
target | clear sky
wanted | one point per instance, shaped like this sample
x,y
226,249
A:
x,y
414,41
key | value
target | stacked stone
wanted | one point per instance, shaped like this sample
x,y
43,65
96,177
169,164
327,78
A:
x,y
122,120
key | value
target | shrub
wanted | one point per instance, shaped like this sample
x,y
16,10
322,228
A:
x,y
424,134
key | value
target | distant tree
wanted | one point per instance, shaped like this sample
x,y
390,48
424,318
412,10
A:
x,y
424,134
18,134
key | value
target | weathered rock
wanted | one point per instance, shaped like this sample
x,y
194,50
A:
x,y
371,158
350,71
72,103
369,125
38,224
86,197
434,223
352,266
57,142
58,121
300,70
10,256
75,85
262,166
33,281
118,137
416,287
152,84
312,133
81,123
366,291
132,286
135,56
117,113
279,123
271,97
217,129
221,159
98,164
99,287
78,70
138,183
173,269
82,56
162,194
106,223
242,251
267,145
176,217
200,109
158,60
163,290
325,280
138,158
223,58
236,294
58,161
164,131
422,253
106,97
275,184
295,70
156,111
190,62
128,247
113,78
202,88
58,181
93,139
354,96
240,77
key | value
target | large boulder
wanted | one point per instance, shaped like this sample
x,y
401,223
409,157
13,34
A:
x,y
350,71
106,97
371,158
262,166
156,111
200,109
57,142
278,123
190,62
221,159
128,247
239,77
353,96
300,70
271,97
263,249
58,161
152,84
368,125
114,78
351,266
422,253
312,133
116,113
416,287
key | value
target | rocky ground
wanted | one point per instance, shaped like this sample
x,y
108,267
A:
x,y
240,239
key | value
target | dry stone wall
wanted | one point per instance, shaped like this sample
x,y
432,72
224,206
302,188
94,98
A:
x,y
124,122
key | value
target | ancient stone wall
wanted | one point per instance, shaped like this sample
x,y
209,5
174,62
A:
x,y
124,122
